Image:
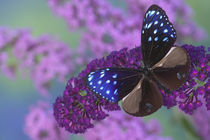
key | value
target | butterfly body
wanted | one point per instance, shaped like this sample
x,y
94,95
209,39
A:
x,y
165,66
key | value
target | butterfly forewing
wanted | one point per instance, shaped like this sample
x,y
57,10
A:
x,y
157,36
144,100
172,71
113,83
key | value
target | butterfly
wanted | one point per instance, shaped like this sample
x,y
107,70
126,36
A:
x,y
165,65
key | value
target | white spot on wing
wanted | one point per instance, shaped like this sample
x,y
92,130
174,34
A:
x,y
115,92
114,76
165,39
108,91
156,39
145,27
165,31
102,75
113,98
90,78
99,82
149,25
150,39
115,82
152,12
148,13
155,31
156,22
92,73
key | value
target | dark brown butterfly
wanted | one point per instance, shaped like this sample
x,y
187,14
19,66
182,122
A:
x,y
165,65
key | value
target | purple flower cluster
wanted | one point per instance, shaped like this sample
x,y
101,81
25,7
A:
x,y
189,96
108,28
41,125
76,109
122,126
44,57
201,120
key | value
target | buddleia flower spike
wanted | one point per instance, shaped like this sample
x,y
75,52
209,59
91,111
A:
x,y
143,78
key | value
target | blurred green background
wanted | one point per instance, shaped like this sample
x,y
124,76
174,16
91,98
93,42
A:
x,y
17,95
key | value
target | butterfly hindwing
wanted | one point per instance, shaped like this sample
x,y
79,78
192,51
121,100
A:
x,y
113,83
172,71
157,36
130,103
144,100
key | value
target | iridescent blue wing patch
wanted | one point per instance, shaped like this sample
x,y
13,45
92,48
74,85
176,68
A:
x,y
113,84
158,35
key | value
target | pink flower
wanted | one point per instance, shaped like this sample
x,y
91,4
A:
x,y
41,125
201,120
122,126
45,58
